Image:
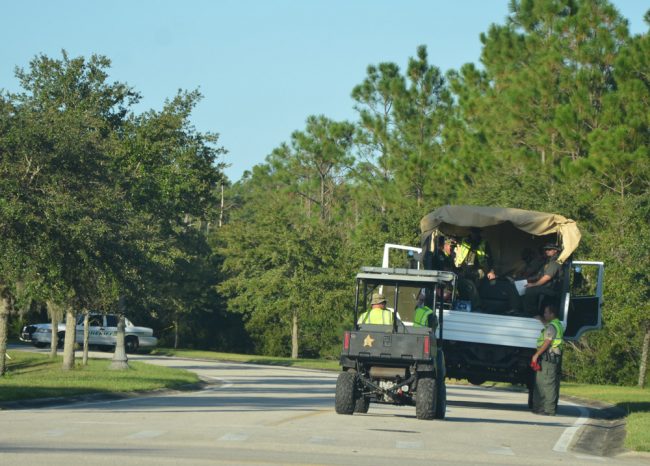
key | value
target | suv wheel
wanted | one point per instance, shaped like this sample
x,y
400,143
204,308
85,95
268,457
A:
x,y
131,344
425,398
344,401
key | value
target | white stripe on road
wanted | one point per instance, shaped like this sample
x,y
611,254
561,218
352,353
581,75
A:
x,y
234,437
506,451
408,445
147,434
566,438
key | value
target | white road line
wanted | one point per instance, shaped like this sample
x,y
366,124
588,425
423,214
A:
x,y
408,445
321,440
506,451
146,434
566,438
234,437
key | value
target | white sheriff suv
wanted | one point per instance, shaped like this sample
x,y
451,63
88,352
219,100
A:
x,y
102,333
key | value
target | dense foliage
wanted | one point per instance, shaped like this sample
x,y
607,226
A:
x,y
98,202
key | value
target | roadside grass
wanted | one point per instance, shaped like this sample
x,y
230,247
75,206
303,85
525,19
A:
x,y
634,401
323,364
34,375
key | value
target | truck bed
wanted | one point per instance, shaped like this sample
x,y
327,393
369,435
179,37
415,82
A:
x,y
492,329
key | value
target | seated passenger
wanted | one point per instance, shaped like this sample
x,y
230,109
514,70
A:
x,y
474,263
543,283
424,316
377,314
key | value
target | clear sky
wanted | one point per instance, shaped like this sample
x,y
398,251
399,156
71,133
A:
x,y
263,66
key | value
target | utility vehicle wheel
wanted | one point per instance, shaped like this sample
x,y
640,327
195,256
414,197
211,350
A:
x,y
425,398
441,400
361,405
344,402
441,387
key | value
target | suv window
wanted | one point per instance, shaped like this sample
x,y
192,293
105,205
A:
x,y
95,321
111,321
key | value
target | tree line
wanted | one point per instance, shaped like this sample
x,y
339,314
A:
x,y
99,202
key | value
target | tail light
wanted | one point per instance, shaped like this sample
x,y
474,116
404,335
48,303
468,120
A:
x,y
427,345
346,341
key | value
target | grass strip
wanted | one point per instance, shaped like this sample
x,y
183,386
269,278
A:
x,y
634,401
322,364
35,375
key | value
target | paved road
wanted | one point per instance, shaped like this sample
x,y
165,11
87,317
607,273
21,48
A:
x,y
271,415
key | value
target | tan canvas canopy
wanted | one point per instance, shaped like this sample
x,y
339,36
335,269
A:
x,y
504,228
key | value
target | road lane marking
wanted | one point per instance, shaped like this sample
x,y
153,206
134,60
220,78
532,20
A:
x,y
146,434
562,445
234,437
322,440
408,445
507,451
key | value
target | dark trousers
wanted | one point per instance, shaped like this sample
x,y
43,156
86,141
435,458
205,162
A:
x,y
547,385
532,297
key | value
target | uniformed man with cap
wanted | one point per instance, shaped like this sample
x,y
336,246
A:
x,y
549,356
377,314
543,283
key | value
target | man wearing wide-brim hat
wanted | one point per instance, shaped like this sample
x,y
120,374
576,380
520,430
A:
x,y
377,314
544,282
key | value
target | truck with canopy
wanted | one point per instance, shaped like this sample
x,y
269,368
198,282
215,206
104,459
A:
x,y
494,341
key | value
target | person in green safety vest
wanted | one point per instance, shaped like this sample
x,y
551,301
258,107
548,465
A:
x,y
473,260
546,392
424,315
377,314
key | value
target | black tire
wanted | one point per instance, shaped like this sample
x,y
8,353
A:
x,y
425,398
441,400
441,387
476,380
131,344
361,405
344,401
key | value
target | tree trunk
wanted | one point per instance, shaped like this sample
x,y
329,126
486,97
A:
x,y
4,329
55,312
120,360
86,335
643,367
294,337
176,332
70,339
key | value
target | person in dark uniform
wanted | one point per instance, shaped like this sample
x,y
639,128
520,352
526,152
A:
x,y
546,392
473,259
544,282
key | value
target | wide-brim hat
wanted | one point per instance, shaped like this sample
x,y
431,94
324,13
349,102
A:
x,y
378,298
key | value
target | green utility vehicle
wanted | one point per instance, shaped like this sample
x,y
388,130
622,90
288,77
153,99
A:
x,y
397,364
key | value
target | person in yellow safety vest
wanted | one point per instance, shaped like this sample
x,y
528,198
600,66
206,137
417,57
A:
x,y
424,316
546,392
472,258
377,314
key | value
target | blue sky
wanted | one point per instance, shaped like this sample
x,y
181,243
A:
x,y
263,66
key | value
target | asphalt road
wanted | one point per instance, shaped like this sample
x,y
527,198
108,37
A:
x,y
272,415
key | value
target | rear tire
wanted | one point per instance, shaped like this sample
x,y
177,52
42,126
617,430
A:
x,y
441,400
425,398
361,405
344,402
